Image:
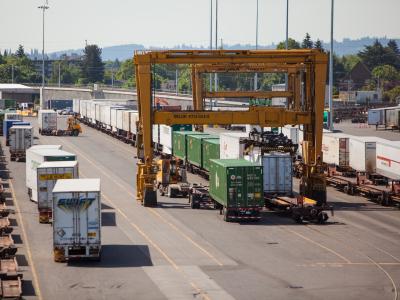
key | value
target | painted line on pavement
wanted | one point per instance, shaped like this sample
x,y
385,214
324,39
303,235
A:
x,y
26,242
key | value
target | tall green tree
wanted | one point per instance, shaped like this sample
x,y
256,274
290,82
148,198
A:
x,y
392,45
307,42
92,65
126,74
386,73
20,53
318,45
292,44
378,55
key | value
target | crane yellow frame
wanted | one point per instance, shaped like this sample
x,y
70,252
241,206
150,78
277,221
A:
x,y
306,71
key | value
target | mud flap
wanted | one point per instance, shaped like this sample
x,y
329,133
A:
x,y
150,198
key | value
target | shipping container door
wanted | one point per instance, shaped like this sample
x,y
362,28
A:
x,y
235,188
343,152
90,222
284,174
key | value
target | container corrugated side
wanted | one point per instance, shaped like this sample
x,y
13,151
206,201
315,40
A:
x,y
236,183
179,143
230,146
21,138
277,169
210,151
335,149
195,149
362,155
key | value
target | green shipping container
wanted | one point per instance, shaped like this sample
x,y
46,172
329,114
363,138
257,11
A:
x,y
237,185
195,148
179,143
210,151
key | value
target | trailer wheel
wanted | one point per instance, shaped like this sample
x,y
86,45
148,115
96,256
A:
x,y
76,132
298,218
322,217
226,213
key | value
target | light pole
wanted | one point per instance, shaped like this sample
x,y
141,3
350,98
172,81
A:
x,y
331,72
211,33
43,8
255,74
59,74
287,38
216,46
287,25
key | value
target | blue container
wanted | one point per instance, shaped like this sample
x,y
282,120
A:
x,y
7,124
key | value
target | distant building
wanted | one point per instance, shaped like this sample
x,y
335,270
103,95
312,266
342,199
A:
x,y
19,92
361,97
356,78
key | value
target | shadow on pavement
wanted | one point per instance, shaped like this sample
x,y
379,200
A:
x,y
27,288
118,256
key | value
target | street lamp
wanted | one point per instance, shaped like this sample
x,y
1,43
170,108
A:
x,y
256,75
43,8
331,72
216,48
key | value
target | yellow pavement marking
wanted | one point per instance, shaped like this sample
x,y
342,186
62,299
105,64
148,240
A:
x,y
150,209
26,242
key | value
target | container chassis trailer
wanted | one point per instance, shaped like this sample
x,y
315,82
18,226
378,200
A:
x,y
388,194
300,208
18,155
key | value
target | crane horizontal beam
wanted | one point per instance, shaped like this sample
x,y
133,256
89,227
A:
x,y
263,116
248,94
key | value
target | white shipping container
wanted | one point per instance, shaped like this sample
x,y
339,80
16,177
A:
x,y
277,169
77,219
126,122
230,146
156,134
133,118
34,157
93,112
76,105
388,159
103,113
292,133
21,138
97,112
362,156
114,117
392,117
47,119
12,116
120,118
47,175
376,117
335,149
166,138
62,122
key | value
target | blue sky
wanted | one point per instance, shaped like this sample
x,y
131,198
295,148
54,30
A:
x,y
171,22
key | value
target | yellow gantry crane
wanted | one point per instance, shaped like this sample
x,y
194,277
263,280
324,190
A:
x,y
306,71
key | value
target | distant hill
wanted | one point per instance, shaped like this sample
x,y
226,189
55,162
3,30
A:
x,y
123,52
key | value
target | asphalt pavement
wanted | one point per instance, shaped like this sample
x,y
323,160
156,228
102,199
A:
x,y
174,252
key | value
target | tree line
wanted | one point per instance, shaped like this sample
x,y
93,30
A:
x,y
383,61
